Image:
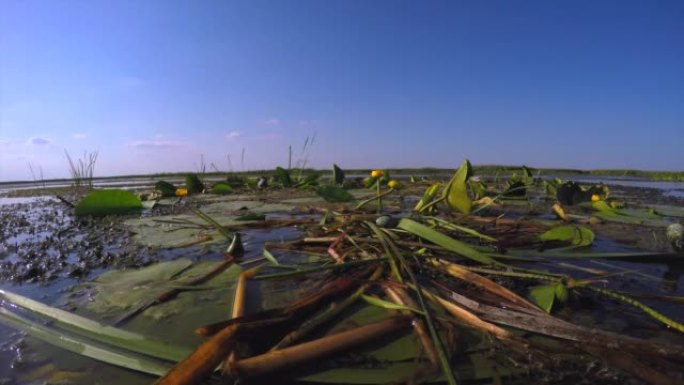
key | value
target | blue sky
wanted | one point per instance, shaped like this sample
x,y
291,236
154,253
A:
x,y
154,85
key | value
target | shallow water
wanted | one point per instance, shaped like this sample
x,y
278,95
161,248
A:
x,y
655,278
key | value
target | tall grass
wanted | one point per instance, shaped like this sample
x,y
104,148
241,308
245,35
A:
x,y
33,174
82,169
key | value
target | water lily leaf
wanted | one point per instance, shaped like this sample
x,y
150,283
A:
x,y
334,194
577,236
282,176
106,202
221,189
544,296
338,175
456,192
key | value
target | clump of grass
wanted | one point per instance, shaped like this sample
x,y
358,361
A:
x,y
82,169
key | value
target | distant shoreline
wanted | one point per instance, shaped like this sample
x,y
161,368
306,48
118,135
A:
x,y
675,176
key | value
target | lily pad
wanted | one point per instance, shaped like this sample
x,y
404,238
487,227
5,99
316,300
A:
x,y
577,236
106,202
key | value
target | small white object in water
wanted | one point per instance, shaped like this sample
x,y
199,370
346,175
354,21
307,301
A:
x,y
675,234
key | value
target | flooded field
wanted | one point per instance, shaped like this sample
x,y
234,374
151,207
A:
x,y
530,294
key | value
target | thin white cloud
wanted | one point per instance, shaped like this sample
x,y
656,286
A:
x,y
38,141
233,135
157,143
4,142
79,135
271,122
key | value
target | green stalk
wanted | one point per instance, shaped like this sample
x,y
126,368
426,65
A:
x,y
391,253
377,186
443,358
378,197
212,222
646,309
317,269
97,331
82,347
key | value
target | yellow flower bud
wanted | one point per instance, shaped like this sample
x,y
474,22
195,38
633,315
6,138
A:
x,y
595,198
377,173
392,184
181,192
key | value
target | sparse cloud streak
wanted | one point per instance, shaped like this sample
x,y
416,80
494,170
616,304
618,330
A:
x,y
39,141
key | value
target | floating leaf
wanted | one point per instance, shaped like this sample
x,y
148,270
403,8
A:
x,y
106,202
456,192
334,194
221,188
338,175
577,235
271,258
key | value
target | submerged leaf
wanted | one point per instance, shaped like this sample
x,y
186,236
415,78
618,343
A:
x,y
106,202
456,192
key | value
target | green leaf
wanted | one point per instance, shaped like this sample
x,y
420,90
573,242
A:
x,y
456,192
338,175
96,331
282,176
544,296
561,292
221,188
334,194
165,188
577,236
193,184
444,240
428,196
105,202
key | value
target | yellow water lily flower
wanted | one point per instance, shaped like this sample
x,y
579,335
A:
x,y
595,198
377,173
392,184
181,192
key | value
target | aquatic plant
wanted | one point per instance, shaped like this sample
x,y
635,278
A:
x,y
82,170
